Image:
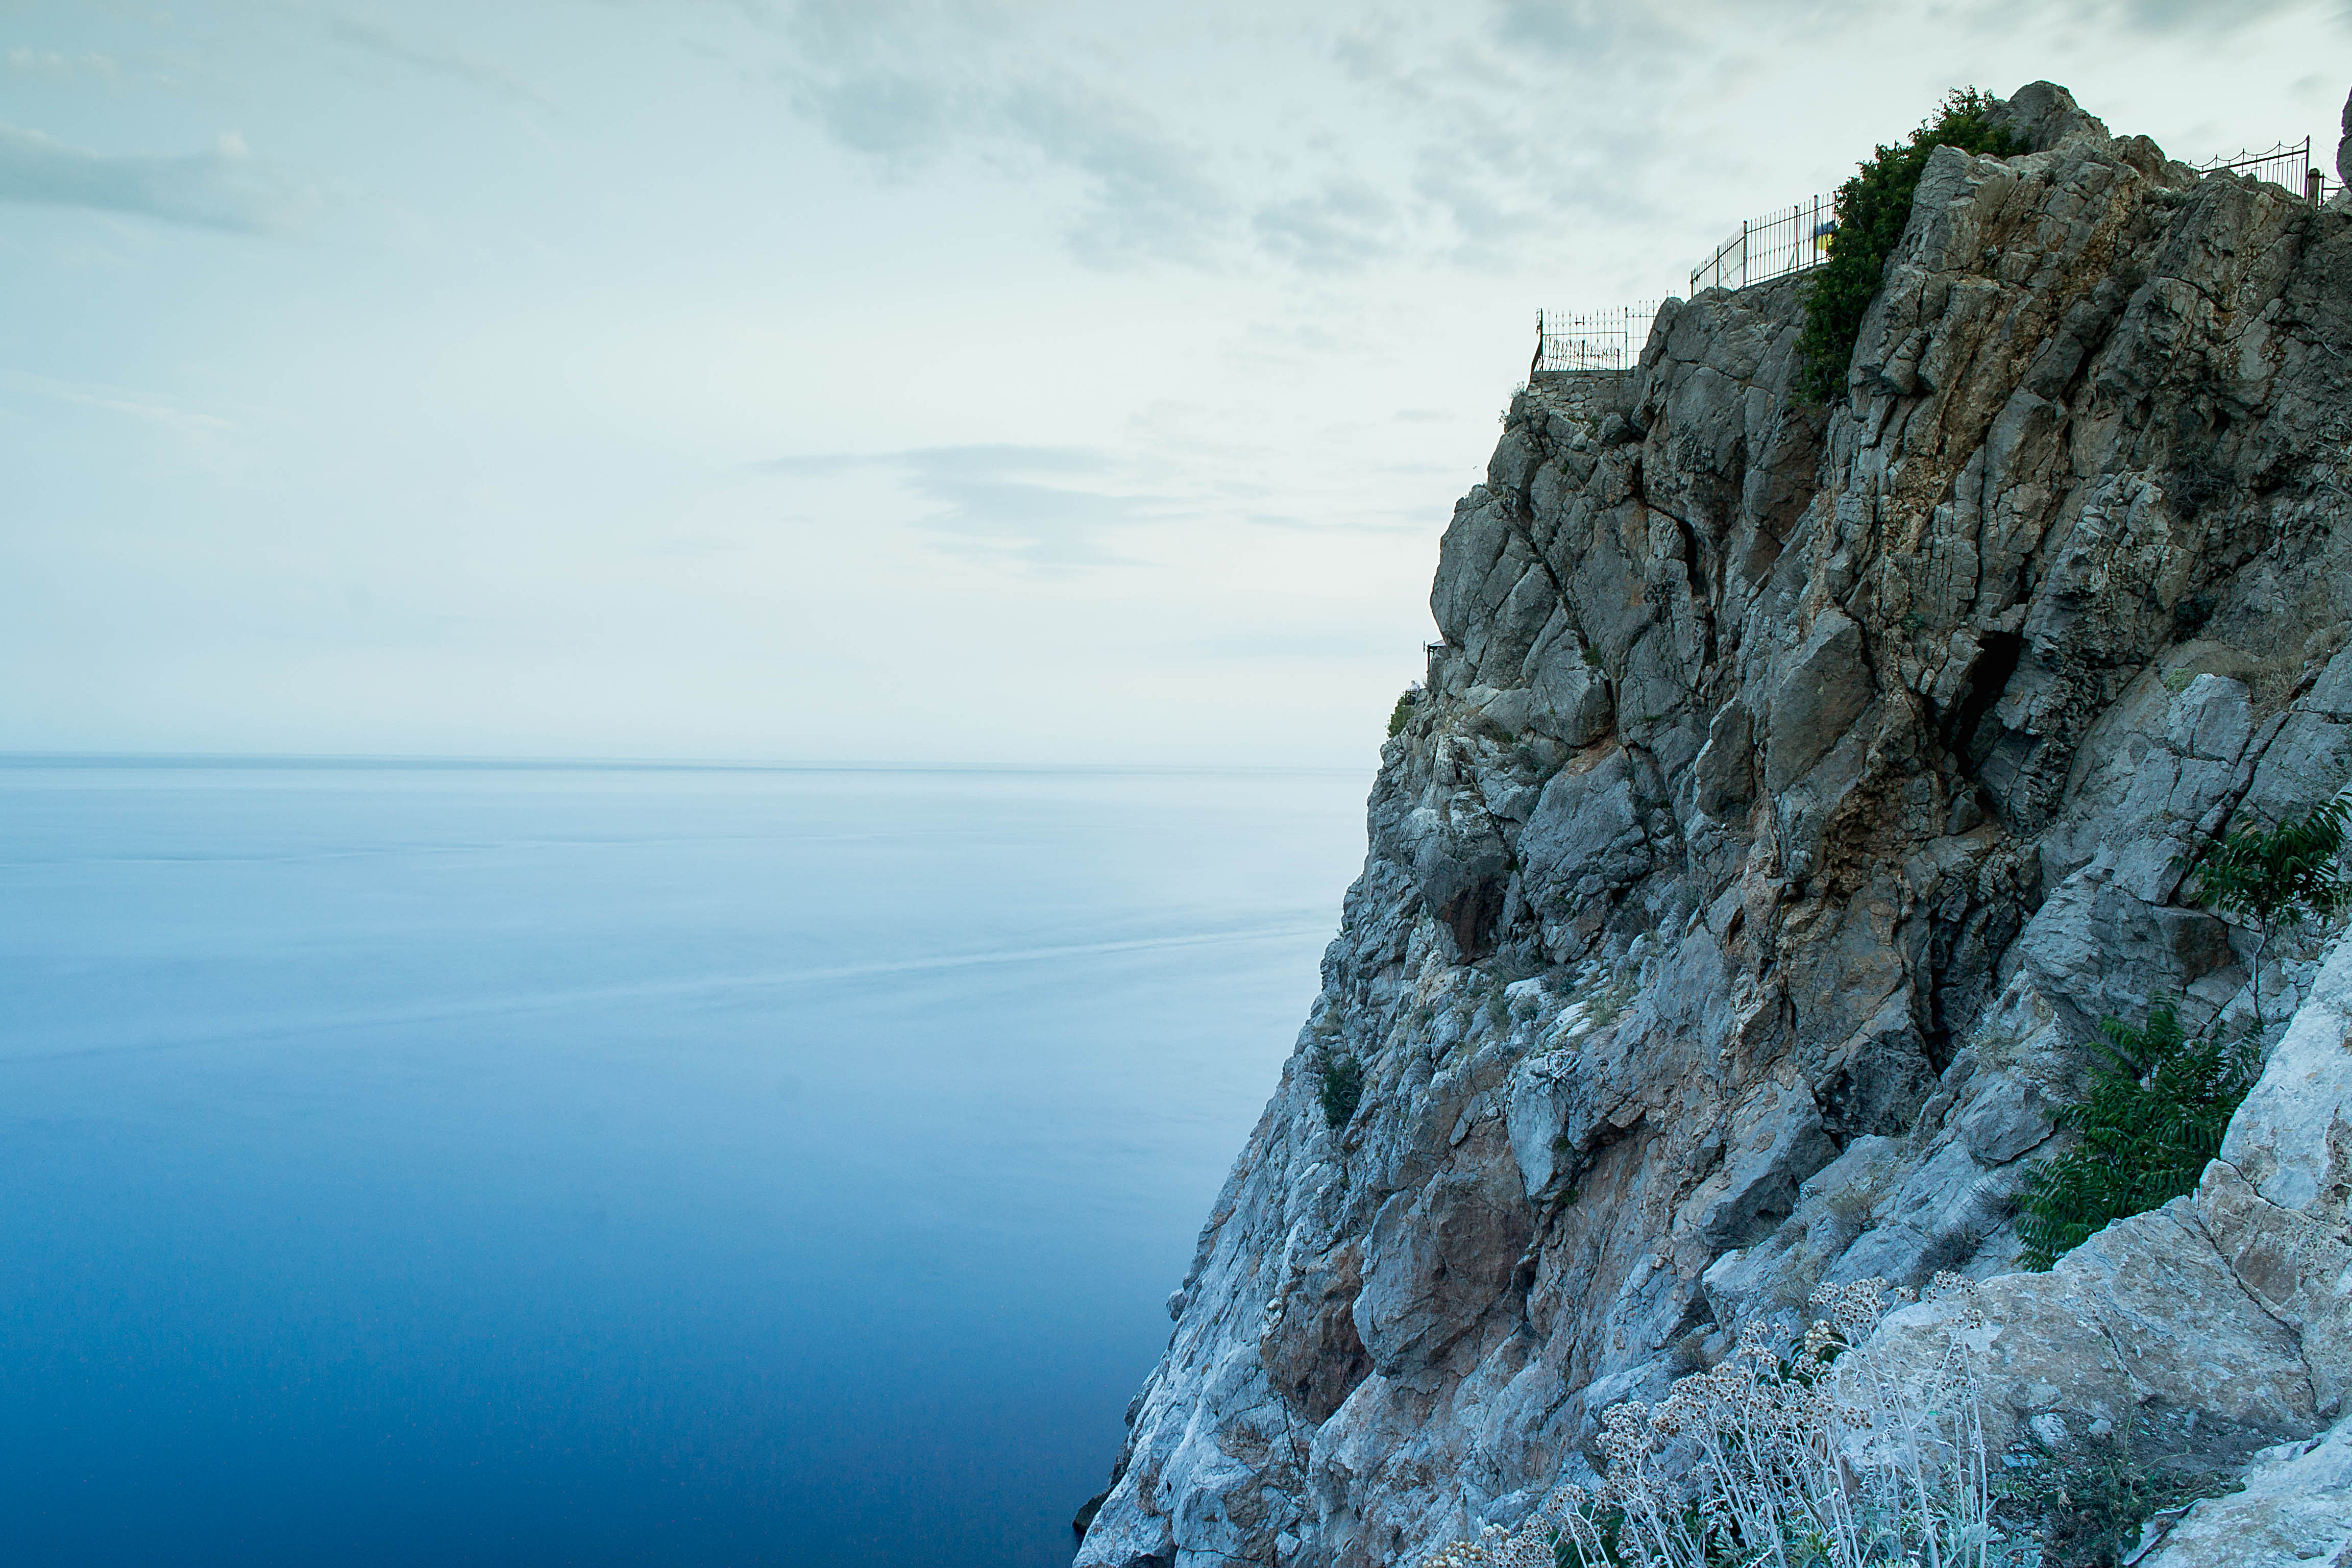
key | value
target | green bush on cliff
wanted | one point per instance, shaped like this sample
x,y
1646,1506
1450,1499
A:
x,y
1343,1087
2163,1100
1871,209
1400,715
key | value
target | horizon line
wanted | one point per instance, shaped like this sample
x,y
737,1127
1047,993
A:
x,y
358,760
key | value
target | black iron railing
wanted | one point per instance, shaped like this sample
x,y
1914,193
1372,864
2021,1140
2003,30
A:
x,y
1592,339
1787,240
1795,238
2288,164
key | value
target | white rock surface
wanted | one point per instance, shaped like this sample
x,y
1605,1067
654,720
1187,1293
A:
x,y
2295,1512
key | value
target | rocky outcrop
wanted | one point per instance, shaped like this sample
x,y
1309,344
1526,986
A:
x,y
2295,1510
2195,1338
1793,790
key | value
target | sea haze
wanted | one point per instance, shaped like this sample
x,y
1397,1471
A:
x,y
477,1164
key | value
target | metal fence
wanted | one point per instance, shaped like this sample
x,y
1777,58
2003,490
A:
x,y
2288,164
1792,238
1781,242
1592,339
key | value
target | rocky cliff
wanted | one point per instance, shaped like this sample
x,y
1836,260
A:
x,y
1794,789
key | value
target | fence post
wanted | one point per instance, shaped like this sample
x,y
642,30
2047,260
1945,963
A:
x,y
1537,363
2314,182
1743,253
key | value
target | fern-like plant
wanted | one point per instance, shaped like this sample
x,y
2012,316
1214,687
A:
x,y
2277,877
2155,1116
1871,209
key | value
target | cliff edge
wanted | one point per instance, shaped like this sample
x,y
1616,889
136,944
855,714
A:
x,y
1794,789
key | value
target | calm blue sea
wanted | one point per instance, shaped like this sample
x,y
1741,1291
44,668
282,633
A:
x,y
475,1165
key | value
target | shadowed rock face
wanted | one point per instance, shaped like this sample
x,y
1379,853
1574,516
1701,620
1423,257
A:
x,y
1796,787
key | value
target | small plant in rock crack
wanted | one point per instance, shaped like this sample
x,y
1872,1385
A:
x,y
2278,876
1606,1003
1400,715
1343,1088
1854,1206
2154,1118
2088,1506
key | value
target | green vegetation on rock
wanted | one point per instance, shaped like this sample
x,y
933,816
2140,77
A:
x,y
2164,1098
2086,1506
2277,877
1400,715
2156,1114
1871,209
1343,1087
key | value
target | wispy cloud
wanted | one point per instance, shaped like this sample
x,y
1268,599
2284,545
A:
x,y
2155,19
1025,505
1494,137
1347,225
1597,31
432,59
215,441
54,65
1058,507
1475,154
1151,194
2196,15
225,188
974,86
184,421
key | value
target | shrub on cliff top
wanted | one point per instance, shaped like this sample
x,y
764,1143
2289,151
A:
x,y
2155,1116
1871,209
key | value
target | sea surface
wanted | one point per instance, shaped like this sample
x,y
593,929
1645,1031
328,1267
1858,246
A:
x,y
451,1164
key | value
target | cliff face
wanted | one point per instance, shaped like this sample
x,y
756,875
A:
x,y
1794,789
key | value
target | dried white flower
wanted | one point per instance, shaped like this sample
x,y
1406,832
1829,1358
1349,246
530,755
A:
x,y
1787,1456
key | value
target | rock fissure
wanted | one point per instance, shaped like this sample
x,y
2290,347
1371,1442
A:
x,y
2293,1330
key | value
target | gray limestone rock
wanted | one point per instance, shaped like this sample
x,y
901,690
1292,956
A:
x,y
2046,115
2343,147
1725,768
2211,1328
1589,835
2296,1510
1796,790
1824,690
1437,1261
1775,1140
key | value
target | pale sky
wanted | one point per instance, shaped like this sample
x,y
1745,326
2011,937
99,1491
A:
x,y
932,382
